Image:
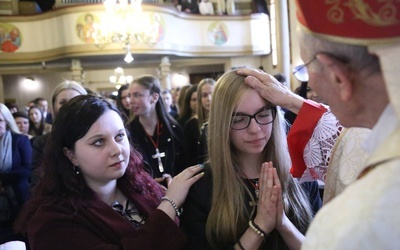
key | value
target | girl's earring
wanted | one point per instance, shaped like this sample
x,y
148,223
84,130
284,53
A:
x,y
76,170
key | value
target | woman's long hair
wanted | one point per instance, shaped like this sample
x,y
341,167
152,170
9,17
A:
x,y
202,114
33,130
125,112
59,182
228,218
153,84
186,112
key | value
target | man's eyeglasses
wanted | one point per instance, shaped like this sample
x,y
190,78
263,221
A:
x,y
301,72
262,117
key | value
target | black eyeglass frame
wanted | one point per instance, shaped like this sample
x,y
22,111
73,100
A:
x,y
272,108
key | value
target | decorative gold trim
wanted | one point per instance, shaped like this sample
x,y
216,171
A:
x,y
348,40
385,16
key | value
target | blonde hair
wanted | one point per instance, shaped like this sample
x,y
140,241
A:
x,y
63,86
228,217
10,121
202,114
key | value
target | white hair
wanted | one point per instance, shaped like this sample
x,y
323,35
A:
x,y
10,121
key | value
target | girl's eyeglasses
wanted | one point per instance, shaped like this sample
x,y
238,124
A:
x,y
262,117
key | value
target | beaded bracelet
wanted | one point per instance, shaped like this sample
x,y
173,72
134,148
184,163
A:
x,y
257,229
166,198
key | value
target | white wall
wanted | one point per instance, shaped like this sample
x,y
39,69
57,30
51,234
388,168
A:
x,y
16,87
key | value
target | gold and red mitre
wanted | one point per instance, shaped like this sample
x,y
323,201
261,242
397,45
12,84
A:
x,y
358,22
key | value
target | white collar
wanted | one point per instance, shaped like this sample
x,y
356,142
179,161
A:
x,y
387,124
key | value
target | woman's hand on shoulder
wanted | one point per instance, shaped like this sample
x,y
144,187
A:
x,y
181,183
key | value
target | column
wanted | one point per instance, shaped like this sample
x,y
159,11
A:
x,y
76,70
165,73
283,39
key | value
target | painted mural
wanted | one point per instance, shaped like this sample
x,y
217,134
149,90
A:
x,y
86,26
218,33
157,25
89,26
10,37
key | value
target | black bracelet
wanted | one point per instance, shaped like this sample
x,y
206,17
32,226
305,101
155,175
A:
x,y
252,223
240,245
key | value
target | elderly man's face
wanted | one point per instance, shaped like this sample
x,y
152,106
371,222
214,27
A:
x,y
324,82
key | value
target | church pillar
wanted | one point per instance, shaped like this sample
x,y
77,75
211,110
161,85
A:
x,y
165,73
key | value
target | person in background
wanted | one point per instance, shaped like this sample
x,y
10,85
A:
x,y
312,95
154,132
123,102
22,121
62,93
37,123
181,97
167,98
13,107
189,108
225,7
204,94
206,7
189,6
15,164
192,126
95,189
44,106
28,106
247,198
175,95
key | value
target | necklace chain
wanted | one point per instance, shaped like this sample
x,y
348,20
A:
x,y
155,143
255,185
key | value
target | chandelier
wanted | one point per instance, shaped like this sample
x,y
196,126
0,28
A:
x,y
119,78
125,23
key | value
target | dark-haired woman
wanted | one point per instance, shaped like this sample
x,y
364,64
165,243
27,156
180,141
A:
x,y
123,102
94,193
154,132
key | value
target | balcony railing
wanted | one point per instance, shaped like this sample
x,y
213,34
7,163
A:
x,y
60,3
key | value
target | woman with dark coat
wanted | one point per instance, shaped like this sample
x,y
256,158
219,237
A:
x,y
15,164
94,193
154,132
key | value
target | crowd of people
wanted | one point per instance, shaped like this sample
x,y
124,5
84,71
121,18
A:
x,y
215,165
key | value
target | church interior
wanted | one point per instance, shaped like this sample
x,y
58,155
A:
x,y
43,44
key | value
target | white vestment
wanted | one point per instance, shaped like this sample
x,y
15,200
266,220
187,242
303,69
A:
x,y
366,215
347,161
